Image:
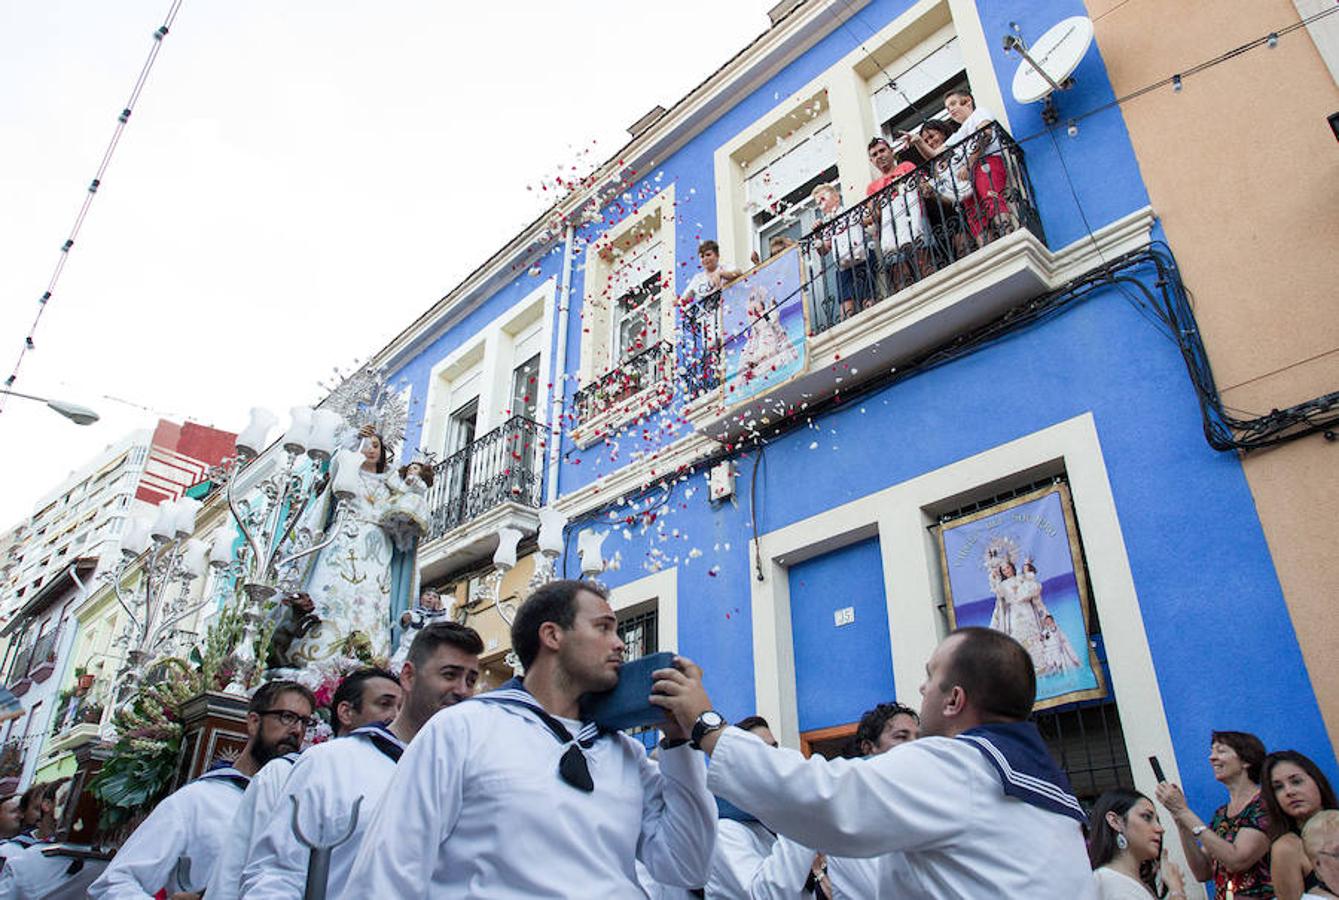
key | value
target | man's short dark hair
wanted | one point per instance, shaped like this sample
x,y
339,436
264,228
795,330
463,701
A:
x,y
1246,745
876,141
959,92
440,634
350,690
554,602
708,246
748,723
873,721
995,672
268,694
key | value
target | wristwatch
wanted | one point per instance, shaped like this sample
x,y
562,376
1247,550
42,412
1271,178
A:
x,y
1199,830
706,723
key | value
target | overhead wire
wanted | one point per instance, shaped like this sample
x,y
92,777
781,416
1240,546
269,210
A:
x,y
122,120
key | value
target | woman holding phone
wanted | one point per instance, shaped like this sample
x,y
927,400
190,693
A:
x,y
1232,848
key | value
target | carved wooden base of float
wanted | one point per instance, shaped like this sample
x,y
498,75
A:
x,y
213,727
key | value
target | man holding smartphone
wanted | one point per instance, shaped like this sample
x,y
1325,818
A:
x,y
511,795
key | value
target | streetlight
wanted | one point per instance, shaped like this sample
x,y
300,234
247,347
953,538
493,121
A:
x,y
79,415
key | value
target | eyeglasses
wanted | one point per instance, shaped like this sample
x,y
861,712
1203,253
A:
x,y
288,718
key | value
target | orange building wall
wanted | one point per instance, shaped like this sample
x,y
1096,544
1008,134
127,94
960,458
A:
x,y
1242,169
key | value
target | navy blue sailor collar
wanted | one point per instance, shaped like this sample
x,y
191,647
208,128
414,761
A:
x,y
1027,772
223,770
380,736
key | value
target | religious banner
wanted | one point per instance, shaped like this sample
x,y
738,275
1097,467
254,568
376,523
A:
x,y
1017,567
762,320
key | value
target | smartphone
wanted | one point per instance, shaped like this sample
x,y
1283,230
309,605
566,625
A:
x,y
1157,769
628,705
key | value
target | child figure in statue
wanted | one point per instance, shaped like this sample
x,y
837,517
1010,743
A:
x,y
406,518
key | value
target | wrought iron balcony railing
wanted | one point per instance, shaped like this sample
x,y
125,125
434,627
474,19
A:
x,y
503,465
945,210
647,370
22,662
12,754
700,349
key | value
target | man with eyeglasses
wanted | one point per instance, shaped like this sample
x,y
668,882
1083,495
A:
x,y
441,670
364,696
192,822
512,796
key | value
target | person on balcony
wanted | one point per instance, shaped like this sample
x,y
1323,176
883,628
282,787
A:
x,y
191,824
714,274
975,808
581,805
841,241
364,696
441,671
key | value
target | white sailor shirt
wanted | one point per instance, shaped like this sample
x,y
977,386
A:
x,y
259,803
477,809
938,801
190,822
327,780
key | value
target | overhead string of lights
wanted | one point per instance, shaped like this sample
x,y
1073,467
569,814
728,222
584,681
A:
x,y
122,118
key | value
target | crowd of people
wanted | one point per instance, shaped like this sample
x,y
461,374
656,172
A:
x,y
431,790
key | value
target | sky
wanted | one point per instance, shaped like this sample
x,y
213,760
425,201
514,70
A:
x,y
299,180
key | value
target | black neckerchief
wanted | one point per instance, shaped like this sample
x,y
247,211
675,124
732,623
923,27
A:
x,y
381,737
573,768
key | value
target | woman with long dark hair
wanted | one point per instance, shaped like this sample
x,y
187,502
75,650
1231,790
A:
x,y
1124,847
1232,848
1294,789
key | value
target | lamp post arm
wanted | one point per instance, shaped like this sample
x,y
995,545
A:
x,y
336,524
247,534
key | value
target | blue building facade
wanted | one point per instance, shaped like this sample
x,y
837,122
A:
x,y
790,543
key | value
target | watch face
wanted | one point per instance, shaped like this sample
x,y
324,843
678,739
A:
x,y
712,719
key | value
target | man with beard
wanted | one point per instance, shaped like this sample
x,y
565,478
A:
x,y
440,671
364,696
193,822
511,796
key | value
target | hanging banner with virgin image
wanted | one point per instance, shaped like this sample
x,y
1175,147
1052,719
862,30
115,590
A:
x,y
1017,567
762,318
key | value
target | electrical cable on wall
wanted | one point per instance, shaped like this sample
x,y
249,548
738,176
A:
x,y
29,342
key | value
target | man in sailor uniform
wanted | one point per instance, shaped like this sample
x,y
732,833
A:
x,y
753,862
364,696
191,823
511,796
975,809
440,671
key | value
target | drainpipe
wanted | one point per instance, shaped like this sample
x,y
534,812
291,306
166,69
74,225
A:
x,y
559,369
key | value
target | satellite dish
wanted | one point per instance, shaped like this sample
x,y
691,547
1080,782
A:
x,y
1049,62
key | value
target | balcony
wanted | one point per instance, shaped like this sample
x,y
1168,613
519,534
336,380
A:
x,y
639,384
12,755
502,466
877,286
493,482
43,661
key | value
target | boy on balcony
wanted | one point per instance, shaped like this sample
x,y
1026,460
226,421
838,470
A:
x,y
714,274
842,239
